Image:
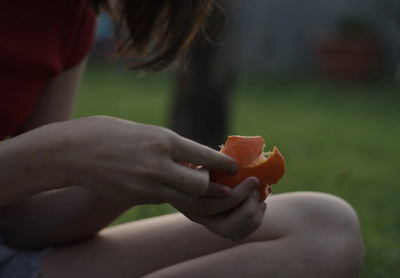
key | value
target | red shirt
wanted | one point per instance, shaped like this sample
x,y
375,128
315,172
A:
x,y
39,39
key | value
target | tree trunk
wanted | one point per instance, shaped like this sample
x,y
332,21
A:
x,y
201,104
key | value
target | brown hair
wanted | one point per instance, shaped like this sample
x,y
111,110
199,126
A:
x,y
156,32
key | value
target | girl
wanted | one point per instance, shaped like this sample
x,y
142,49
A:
x,y
63,181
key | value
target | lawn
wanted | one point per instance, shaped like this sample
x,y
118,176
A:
x,y
336,138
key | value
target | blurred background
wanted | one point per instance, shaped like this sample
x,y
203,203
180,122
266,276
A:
x,y
315,78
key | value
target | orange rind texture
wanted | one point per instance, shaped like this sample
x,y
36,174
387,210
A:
x,y
268,168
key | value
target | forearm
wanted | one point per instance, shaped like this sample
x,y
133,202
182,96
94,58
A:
x,y
56,217
30,164
39,163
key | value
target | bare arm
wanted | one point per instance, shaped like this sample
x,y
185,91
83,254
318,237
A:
x,y
57,216
114,164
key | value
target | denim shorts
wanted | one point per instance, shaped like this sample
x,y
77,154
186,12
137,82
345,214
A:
x,y
20,264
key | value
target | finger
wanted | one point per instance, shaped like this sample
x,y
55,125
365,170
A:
x,y
235,225
191,181
144,193
238,195
186,150
218,190
239,222
243,213
214,189
254,225
215,205
168,194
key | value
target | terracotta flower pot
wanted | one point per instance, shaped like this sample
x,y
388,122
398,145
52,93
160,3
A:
x,y
348,58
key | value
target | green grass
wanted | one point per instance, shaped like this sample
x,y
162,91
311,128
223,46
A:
x,y
337,138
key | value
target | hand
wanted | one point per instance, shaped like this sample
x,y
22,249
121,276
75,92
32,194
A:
x,y
231,213
137,164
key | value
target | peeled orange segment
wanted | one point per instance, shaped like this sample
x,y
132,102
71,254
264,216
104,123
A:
x,y
243,149
193,166
269,167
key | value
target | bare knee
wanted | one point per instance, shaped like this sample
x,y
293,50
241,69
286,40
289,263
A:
x,y
324,211
330,229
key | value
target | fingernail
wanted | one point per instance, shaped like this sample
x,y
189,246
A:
x,y
254,182
234,168
256,195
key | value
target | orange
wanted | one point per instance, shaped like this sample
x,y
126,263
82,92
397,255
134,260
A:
x,y
268,167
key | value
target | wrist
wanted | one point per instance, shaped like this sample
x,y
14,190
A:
x,y
55,147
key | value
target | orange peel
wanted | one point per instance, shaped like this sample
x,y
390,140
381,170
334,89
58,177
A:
x,y
247,151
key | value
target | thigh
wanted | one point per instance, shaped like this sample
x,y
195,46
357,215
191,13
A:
x,y
160,243
134,249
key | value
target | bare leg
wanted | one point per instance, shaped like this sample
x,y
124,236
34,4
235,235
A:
x,y
303,235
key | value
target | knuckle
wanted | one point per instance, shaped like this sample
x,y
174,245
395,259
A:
x,y
187,198
257,223
204,154
224,232
149,171
249,213
160,142
236,199
200,187
160,146
137,190
167,135
151,168
254,225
